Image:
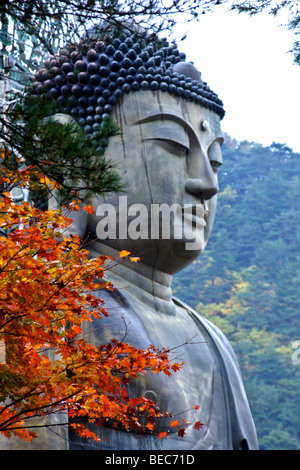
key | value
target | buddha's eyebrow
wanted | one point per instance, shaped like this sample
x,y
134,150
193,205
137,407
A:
x,y
188,128
170,117
165,127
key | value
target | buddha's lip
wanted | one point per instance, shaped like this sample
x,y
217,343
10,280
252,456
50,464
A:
x,y
195,213
196,220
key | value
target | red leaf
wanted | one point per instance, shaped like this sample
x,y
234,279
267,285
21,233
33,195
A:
x,y
198,425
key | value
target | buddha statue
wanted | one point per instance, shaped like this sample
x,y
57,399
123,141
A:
x,y
168,154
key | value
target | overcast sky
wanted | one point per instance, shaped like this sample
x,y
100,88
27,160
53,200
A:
x,y
245,60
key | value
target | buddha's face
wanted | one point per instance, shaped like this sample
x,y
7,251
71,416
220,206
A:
x,y
168,153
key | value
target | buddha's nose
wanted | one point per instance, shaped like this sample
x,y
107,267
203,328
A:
x,y
204,184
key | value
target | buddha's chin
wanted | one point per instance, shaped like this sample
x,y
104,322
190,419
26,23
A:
x,y
191,245
166,255
187,249
174,255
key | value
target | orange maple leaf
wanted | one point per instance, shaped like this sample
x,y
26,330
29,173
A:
x,y
123,253
134,259
174,423
89,208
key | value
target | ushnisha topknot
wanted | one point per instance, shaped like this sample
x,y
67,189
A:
x,y
89,79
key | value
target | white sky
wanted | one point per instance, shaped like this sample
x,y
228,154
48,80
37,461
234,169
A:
x,y
245,60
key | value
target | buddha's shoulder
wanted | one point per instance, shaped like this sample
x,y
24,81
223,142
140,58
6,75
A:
x,y
214,336
127,315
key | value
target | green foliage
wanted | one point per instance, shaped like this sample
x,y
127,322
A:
x,y
62,155
40,26
292,7
247,281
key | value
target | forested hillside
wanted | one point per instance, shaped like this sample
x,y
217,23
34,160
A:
x,y
247,281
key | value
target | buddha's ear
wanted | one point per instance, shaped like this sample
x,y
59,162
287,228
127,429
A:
x,y
80,218
64,119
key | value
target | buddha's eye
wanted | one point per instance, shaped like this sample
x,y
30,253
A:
x,y
215,165
215,156
173,147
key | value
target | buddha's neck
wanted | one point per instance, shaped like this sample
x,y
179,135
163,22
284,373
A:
x,y
146,283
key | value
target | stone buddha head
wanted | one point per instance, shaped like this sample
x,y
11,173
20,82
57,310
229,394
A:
x,y
168,151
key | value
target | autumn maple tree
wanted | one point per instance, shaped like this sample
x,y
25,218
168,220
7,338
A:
x,y
47,287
